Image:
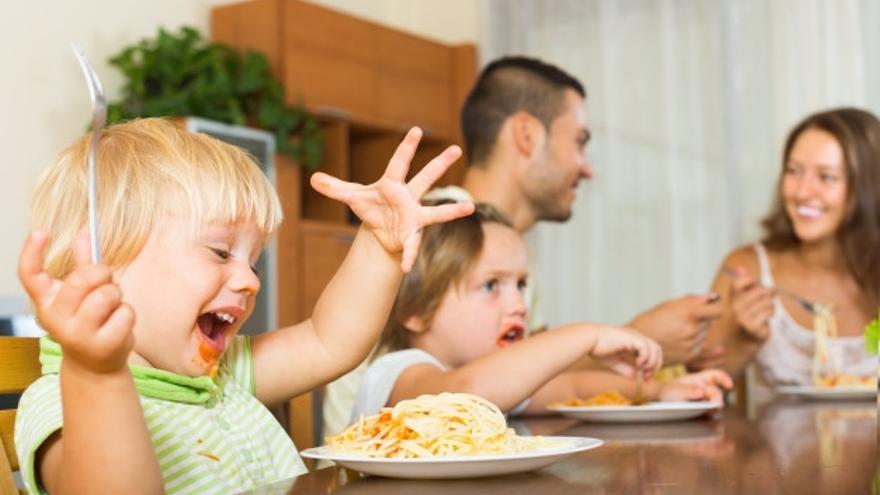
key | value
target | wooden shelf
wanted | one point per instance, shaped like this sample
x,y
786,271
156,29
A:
x,y
367,84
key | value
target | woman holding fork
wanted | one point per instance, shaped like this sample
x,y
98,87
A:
x,y
821,244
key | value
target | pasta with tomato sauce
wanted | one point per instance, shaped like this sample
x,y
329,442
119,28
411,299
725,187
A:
x,y
444,425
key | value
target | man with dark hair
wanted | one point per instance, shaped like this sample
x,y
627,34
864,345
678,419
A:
x,y
526,133
505,87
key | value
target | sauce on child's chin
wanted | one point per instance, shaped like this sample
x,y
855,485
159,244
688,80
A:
x,y
209,357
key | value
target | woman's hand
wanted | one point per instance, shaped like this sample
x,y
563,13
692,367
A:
x,y
752,304
84,312
705,385
389,207
679,325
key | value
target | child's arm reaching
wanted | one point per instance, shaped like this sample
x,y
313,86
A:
x,y
583,384
352,310
510,375
104,446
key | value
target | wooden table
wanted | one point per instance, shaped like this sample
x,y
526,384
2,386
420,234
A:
x,y
787,446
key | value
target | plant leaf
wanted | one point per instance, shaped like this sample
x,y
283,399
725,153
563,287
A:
x,y
872,335
182,73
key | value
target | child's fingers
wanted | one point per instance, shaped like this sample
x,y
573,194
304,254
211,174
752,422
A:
x,y
78,285
98,305
398,166
117,331
36,282
622,368
410,250
712,394
82,248
719,378
428,175
649,356
444,213
332,187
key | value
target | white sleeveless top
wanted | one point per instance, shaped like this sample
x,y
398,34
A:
x,y
787,355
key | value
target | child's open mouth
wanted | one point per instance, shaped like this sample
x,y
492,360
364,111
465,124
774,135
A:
x,y
510,334
213,327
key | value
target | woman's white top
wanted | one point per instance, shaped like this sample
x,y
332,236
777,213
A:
x,y
787,355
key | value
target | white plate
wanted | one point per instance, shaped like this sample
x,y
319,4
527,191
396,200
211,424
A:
x,y
824,393
654,411
457,467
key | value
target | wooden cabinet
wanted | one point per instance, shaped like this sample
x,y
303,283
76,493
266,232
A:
x,y
368,84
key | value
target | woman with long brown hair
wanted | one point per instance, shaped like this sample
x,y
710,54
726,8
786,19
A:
x,y
822,242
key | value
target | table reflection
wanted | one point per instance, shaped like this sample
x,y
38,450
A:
x,y
785,446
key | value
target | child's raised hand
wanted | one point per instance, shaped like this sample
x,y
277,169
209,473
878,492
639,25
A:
x,y
84,312
390,207
624,351
705,385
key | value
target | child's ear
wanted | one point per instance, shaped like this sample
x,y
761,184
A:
x,y
414,324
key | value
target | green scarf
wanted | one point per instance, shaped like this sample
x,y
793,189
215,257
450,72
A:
x,y
150,382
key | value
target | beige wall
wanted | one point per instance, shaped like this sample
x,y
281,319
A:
x,y
45,100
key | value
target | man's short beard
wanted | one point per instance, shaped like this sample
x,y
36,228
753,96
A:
x,y
548,210
560,217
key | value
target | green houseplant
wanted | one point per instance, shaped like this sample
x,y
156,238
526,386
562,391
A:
x,y
179,74
872,335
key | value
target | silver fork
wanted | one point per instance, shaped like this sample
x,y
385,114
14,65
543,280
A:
x,y
811,307
99,120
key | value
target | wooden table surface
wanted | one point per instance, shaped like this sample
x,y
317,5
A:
x,y
787,446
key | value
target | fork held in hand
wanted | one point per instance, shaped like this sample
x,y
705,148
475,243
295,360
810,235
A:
x,y
809,306
99,120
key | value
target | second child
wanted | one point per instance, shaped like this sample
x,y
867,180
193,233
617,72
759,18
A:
x,y
459,325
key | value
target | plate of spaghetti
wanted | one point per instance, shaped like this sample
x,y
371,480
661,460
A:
x,y
443,436
612,407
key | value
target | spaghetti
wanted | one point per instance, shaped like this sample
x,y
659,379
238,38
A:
x,y
444,425
827,368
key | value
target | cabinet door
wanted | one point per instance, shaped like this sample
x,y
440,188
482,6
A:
x,y
323,249
414,77
329,60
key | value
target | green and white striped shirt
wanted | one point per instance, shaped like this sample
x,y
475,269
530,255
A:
x,y
210,436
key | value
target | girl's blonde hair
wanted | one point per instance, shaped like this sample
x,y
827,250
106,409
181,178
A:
x,y
148,169
447,251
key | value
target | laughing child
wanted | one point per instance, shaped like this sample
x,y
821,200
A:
x,y
147,388
458,325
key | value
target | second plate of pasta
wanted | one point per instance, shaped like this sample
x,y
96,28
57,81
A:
x,y
651,412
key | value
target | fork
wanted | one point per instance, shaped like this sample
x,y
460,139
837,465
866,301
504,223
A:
x,y
99,120
811,307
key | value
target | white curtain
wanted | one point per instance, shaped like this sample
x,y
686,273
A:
x,y
689,102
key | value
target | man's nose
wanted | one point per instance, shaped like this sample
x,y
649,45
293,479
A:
x,y
586,168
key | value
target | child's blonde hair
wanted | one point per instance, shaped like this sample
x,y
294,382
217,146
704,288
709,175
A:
x,y
447,251
148,169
